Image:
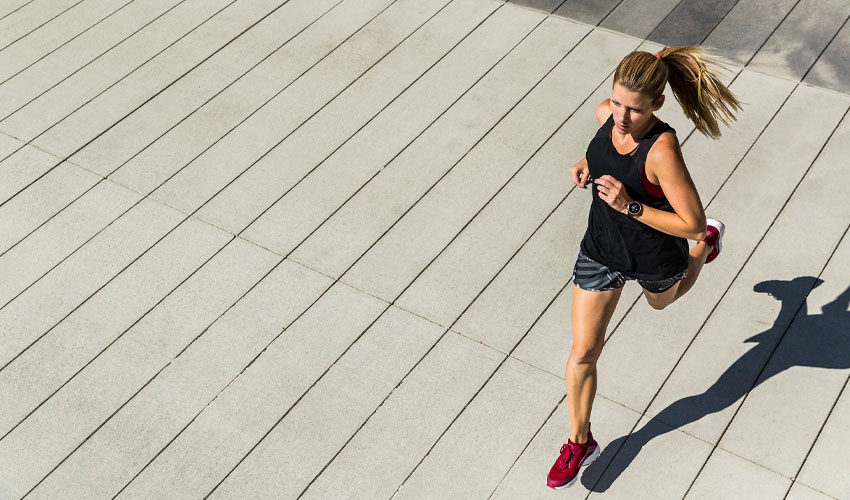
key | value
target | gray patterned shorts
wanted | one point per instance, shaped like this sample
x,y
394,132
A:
x,y
595,277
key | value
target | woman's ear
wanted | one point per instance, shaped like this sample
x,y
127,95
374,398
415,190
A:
x,y
656,104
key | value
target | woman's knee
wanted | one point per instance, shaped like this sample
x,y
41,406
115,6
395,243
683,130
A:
x,y
585,354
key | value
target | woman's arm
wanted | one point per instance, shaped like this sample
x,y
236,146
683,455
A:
x,y
666,163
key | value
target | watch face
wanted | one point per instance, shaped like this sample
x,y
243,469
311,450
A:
x,y
634,208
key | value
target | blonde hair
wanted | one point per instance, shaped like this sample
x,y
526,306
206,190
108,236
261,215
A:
x,y
695,81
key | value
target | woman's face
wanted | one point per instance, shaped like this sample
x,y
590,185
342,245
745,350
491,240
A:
x,y
632,110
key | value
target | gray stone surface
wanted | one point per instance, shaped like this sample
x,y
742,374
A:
x,y
292,214
727,476
798,42
587,11
126,59
171,106
343,238
446,187
690,22
832,69
320,424
178,146
130,435
77,53
635,18
746,27
44,199
308,145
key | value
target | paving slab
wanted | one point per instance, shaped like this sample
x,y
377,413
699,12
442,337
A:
x,y
178,146
294,208
527,477
9,7
42,200
632,17
110,457
832,69
746,27
30,17
23,167
418,24
404,427
438,217
39,114
795,45
63,115
52,242
690,22
812,355
202,455
298,447
591,12
83,125
39,308
193,90
348,233
826,466
48,71
411,52
57,356
480,446
744,202
727,476
547,6
62,30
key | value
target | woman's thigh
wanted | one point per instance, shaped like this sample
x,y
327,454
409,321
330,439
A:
x,y
591,313
660,300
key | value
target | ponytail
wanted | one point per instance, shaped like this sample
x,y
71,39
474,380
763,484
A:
x,y
695,81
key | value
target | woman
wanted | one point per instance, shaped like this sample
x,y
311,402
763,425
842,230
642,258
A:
x,y
644,209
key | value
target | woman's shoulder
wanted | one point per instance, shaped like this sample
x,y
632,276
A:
x,y
665,153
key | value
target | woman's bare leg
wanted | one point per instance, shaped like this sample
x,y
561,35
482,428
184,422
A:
x,y
591,313
696,259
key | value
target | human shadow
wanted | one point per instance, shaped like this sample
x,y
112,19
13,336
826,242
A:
x,y
821,340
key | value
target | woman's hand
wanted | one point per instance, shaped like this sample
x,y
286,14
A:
x,y
613,192
580,173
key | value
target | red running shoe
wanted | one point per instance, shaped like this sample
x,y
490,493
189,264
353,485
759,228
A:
x,y
573,456
714,237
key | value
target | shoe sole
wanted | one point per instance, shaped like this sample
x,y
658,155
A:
x,y
587,461
721,228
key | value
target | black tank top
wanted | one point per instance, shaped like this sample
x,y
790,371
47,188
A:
x,y
620,243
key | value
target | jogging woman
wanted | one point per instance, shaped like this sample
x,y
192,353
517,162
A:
x,y
644,208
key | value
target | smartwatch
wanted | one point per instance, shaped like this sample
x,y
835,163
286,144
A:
x,y
633,209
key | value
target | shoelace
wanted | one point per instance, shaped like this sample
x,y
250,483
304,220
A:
x,y
565,457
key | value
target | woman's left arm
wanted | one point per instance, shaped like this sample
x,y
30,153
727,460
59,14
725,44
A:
x,y
666,163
